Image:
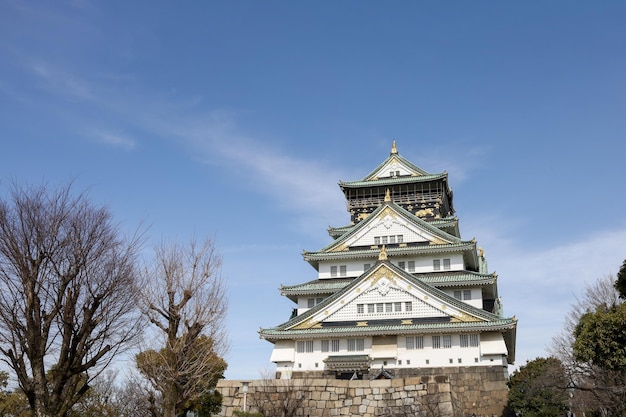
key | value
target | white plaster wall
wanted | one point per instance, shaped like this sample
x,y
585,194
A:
x,y
283,351
393,166
354,268
423,264
493,344
398,356
477,296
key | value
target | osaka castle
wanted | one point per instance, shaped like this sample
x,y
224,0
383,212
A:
x,y
397,291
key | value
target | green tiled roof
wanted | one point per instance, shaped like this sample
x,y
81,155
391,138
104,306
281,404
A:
x,y
448,222
490,319
347,358
396,155
391,252
409,217
438,279
315,287
504,324
392,181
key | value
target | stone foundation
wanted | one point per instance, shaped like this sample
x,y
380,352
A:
x,y
437,392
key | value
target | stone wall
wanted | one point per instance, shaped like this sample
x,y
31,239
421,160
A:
x,y
458,392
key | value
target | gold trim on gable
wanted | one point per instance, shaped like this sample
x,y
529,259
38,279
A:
x,y
308,324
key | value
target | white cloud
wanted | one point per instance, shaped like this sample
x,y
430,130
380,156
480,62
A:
x,y
540,286
60,82
116,140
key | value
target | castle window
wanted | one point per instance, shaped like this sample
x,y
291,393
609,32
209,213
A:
x,y
416,342
377,240
392,239
333,271
446,264
330,345
400,238
473,340
408,306
436,342
343,270
303,346
356,345
464,340
401,265
388,307
318,300
366,267
447,341
397,306
360,309
370,308
385,239
411,266
410,343
463,294
379,307
436,264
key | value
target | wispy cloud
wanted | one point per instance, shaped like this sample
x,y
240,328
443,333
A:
x,y
60,82
539,286
115,140
306,185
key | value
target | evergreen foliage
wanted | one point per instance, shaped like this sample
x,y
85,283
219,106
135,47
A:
x,y
538,389
600,338
620,284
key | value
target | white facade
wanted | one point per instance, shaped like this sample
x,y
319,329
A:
x,y
394,291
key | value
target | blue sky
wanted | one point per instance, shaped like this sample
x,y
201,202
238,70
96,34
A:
x,y
236,120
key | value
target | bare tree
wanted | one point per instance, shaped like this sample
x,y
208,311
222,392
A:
x,y
279,397
184,297
592,388
67,293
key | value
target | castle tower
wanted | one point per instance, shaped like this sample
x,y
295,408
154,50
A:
x,y
397,292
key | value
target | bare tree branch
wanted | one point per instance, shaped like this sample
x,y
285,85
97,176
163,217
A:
x,y
184,296
67,293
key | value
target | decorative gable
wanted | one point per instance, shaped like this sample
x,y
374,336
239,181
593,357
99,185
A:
x,y
385,295
391,225
394,167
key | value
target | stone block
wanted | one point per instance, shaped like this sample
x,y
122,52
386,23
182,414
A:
x,y
380,383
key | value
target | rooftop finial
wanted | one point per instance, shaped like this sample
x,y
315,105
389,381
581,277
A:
x,y
382,256
387,196
394,150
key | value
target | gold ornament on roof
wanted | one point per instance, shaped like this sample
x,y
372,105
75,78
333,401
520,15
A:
x,y
387,196
382,256
394,150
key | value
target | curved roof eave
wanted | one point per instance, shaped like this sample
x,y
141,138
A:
x,y
505,325
391,252
392,181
